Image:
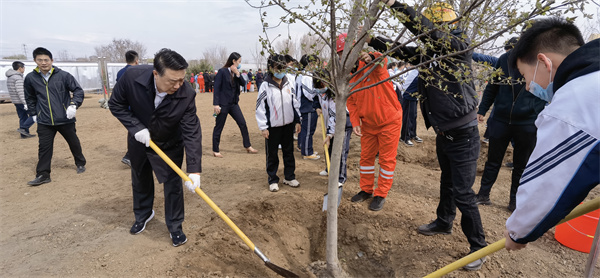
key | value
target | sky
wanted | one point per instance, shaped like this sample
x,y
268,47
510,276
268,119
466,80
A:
x,y
78,26
186,26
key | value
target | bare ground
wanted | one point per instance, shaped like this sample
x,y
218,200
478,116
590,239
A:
x,y
78,225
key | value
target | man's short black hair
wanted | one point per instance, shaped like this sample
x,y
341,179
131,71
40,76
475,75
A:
x,y
131,56
168,59
42,51
17,65
552,34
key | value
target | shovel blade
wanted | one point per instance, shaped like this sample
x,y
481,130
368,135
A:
x,y
281,271
340,189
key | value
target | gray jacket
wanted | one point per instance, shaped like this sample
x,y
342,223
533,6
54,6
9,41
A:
x,y
14,82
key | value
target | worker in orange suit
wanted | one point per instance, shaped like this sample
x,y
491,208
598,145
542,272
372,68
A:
x,y
376,117
200,81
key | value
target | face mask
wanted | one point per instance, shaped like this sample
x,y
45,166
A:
x,y
239,66
279,75
537,90
320,90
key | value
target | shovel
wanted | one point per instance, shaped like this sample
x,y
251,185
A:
x,y
279,270
328,163
499,245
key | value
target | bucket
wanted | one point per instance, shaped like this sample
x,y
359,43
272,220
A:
x,y
578,233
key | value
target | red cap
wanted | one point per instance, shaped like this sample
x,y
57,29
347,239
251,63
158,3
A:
x,y
341,40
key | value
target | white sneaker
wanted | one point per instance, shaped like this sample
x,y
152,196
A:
x,y
340,184
323,173
279,146
409,143
273,187
292,183
311,157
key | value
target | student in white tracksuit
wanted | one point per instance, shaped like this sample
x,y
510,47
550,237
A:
x,y
277,115
565,164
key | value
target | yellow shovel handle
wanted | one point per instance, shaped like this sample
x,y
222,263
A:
x,y
499,245
324,138
203,196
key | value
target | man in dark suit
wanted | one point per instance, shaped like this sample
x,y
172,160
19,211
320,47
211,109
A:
x,y
162,108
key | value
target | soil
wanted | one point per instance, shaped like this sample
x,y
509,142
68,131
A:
x,y
78,225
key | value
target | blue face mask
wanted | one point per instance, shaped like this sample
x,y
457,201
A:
x,y
537,90
320,90
279,75
239,66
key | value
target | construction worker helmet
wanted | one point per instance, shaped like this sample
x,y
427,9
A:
x,y
440,12
341,41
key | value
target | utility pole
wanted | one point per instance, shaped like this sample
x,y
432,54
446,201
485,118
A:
x,y
25,50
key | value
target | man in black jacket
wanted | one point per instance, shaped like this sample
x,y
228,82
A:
x,y
162,108
515,111
449,106
48,96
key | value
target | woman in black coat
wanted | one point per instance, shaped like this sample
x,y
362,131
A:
x,y
225,100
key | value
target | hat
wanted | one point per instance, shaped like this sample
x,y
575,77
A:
x,y
440,12
341,41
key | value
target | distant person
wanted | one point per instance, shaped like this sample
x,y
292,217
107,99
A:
x,y
225,100
132,59
246,80
14,84
513,119
48,95
259,79
278,116
201,83
165,114
308,114
207,81
409,89
250,77
565,164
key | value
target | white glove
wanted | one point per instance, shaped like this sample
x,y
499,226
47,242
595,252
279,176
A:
x,y
143,136
34,119
71,111
191,185
25,107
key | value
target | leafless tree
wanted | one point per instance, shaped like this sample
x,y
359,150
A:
x,y
216,56
259,57
115,50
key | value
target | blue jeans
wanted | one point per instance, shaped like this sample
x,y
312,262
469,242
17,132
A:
x,y
457,152
25,122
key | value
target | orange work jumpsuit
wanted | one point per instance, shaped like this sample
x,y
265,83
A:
x,y
378,112
201,83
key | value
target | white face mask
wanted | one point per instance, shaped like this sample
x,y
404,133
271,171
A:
x,y
537,90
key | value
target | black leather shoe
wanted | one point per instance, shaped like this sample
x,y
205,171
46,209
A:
x,y
138,227
377,203
483,200
178,238
476,265
27,136
512,205
80,169
434,229
39,180
126,161
361,196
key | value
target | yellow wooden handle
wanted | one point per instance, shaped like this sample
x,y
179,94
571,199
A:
x,y
324,137
499,245
203,196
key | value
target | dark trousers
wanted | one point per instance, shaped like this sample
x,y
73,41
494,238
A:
x,y
235,112
409,120
46,134
457,153
307,130
500,134
25,122
283,135
344,160
209,87
143,196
